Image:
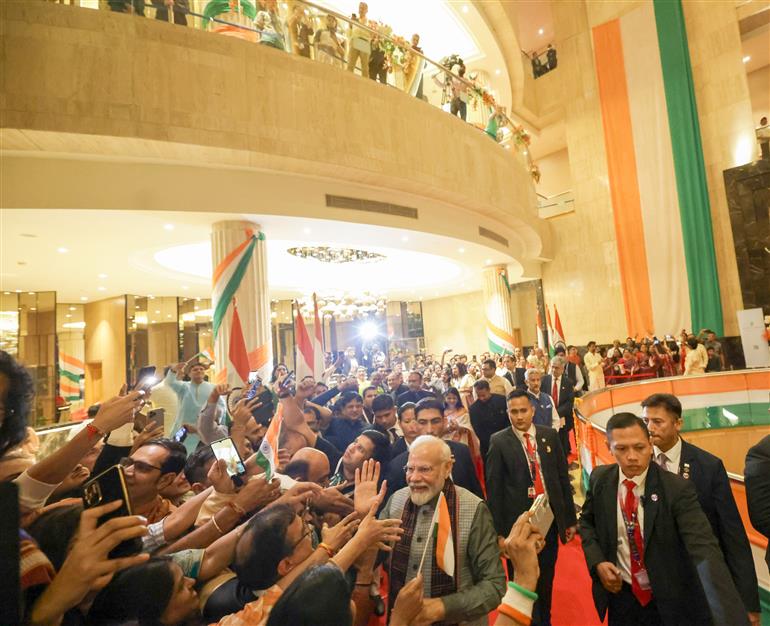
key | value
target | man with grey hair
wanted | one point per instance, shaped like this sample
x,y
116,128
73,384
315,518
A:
x,y
545,410
478,582
561,388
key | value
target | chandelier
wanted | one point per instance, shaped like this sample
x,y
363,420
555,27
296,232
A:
x,y
324,254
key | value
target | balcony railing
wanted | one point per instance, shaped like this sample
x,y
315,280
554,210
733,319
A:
x,y
367,48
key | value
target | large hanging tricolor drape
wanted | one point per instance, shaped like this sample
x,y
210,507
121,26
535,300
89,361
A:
x,y
656,172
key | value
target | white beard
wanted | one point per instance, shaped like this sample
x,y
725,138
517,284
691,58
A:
x,y
422,497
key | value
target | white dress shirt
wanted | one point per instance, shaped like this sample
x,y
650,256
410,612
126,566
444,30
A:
x,y
624,551
532,432
673,456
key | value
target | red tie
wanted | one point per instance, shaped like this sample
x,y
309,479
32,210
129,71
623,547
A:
x,y
555,393
630,509
534,466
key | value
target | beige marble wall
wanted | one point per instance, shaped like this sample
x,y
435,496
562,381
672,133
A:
x,y
456,322
727,131
583,279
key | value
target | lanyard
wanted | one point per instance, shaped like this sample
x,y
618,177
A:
x,y
630,526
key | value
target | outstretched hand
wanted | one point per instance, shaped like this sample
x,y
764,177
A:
x,y
366,480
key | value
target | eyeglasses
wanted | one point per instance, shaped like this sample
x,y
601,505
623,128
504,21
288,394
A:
x,y
306,532
140,466
423,469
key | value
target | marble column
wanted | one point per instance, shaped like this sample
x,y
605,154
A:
x,y
239,259
497,309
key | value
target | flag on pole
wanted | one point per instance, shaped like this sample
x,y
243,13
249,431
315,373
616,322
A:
x,y
318,342
558,333
238,355
267,455
445,547
303,346
540,332
550,331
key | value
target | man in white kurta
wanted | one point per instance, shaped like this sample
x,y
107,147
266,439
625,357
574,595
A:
x,y
593,363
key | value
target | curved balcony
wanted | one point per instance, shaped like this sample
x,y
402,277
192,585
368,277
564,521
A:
x,y
170,118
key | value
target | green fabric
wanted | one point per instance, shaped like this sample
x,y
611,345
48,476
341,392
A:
x,y
694,207
220,9
232,287
75,378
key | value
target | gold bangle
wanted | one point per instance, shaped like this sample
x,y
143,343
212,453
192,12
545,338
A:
x,y
214,521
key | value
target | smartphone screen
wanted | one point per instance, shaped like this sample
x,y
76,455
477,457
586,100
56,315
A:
x,y
181,434
225,450
145,378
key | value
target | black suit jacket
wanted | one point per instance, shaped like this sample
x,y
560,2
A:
x,y
707,473
463,471
398,447
757,478
518,378
566,397
508,479
488,418
413,396
690,580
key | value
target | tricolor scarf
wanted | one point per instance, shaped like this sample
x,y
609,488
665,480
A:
x,y
440,583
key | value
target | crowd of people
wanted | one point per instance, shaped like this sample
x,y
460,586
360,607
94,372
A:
x,y
543,61
390,491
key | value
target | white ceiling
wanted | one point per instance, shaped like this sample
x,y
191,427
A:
x,y
90,255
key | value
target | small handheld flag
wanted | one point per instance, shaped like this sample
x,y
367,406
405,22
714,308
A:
x,y
445,548
267,455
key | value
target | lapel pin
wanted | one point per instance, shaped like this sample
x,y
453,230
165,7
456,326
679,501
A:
x,y
654,497
548,449
686,471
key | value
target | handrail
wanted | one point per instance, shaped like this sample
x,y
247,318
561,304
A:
x,y
517,130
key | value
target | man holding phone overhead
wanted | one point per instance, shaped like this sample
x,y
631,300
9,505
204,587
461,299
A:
x,y
192,396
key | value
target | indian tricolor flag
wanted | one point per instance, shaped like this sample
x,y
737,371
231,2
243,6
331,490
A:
x,y
303,346
558,333
267,455
541,343
445,546
71,370
318,341
656,171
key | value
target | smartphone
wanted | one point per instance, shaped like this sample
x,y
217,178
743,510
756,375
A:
x,y
145,378
542,515
107,487
181,434
157,416
287,385
225,450
263,413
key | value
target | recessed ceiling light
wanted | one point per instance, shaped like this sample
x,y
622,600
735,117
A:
x,y
100,288
68,315
169,315
157,312
488,261
137,307
32,308
102,276
404,238
168,226
7,293
465,8
18,291
747,58
497,72
461,250
62,250
153,321
73,308
540,31
30,293
84,298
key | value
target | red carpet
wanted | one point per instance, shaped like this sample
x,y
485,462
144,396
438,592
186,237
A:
x,y
573,604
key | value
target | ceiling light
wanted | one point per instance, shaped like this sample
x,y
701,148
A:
x,y
62,250
465,8
32,308
68,315
157,312
488,261
30,293
497,72
306,230
73,308
7,293
185,287
747,58
79,325
137,307
461,250
18,291
100,288
168,226
102,276
540,31
84,298
324,254
404,238
151,297
169,315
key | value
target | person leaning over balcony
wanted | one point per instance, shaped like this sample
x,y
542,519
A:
x,y
127,6
179,8
301,31
378,61
328,47
360,41
268,35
